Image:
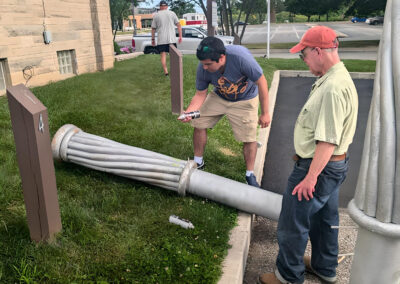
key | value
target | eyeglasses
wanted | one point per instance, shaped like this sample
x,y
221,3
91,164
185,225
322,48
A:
x,y
302,55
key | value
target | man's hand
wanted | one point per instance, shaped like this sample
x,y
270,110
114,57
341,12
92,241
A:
x,y
153,42
264,120
180,39
305,188
186,119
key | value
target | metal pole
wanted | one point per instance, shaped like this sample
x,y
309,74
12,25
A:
x,y
268,27
133,19
73,145
376,204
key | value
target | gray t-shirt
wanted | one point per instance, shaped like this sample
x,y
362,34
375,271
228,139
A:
x,y
237,82
164,22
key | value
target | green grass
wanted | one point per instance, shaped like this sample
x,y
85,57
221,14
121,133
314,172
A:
x,y
288,45
115,229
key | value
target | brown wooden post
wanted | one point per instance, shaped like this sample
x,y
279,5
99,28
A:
x,y
176,77
32,140
211,17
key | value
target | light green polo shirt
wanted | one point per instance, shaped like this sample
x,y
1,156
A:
x,y
329,115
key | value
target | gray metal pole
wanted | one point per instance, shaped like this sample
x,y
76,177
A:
x,y
133,20
376,204
268,26
73,145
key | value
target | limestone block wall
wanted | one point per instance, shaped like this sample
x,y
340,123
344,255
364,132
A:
x,y
83,26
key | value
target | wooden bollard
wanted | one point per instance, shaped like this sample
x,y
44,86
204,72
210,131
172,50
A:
x,y
32,140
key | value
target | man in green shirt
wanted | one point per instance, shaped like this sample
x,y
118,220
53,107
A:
x,y
323,132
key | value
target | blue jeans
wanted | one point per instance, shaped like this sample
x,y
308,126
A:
x,y
302,219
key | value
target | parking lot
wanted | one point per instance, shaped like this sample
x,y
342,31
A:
x,y
293,32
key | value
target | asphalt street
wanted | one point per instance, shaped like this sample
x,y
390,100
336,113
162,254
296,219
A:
x,y
293,32
292,94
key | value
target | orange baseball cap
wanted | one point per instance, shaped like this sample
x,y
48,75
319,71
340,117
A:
x,y
318,36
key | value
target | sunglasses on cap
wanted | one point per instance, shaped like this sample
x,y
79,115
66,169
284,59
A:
x,y
205,48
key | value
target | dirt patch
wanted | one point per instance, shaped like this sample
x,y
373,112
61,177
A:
x,y
264,249
227,152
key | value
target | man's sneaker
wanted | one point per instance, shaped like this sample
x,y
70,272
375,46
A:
x,y
326,279
201,166
251,180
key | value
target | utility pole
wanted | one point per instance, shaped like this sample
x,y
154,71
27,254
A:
x,y
268,27
133,17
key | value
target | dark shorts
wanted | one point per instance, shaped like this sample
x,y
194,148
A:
x,y
164,47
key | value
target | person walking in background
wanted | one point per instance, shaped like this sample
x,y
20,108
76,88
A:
x,y
323,132
164,23
239,81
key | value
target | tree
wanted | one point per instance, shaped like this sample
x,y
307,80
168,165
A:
x,y
365,8
120,10
181,7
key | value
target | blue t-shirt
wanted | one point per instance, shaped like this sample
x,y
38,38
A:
x,y
236,83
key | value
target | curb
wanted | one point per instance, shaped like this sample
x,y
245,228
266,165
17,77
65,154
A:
x,y
234,264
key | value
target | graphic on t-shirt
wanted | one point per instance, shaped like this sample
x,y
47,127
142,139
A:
x,y
231,90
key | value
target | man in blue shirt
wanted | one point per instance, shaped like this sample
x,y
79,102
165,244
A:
x,y
239,84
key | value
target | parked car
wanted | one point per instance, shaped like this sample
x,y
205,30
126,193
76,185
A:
x,y
239,23
191,37
375,20
358,19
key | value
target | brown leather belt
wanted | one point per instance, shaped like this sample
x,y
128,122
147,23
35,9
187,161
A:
x,y
334,158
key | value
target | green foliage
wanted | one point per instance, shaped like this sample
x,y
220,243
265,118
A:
x,y
120,9
181,7
365,8
117,48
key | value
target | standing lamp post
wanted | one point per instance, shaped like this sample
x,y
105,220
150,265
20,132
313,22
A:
x,y
376,204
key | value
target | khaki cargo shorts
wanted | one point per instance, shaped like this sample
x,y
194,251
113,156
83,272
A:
x,y
242,116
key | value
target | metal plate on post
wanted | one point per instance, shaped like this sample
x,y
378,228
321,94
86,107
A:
x,y
176,77
32,140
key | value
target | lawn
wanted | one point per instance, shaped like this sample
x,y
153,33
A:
x,y
115,229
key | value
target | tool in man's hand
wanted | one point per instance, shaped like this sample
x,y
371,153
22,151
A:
x,y
192,114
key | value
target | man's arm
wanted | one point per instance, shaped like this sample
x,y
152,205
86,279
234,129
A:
x,y
264,119
153,36
197,101
306,187
180,32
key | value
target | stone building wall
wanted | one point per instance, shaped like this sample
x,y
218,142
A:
x,y
81,27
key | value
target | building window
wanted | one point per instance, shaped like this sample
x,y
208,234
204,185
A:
x,y
193,18
66,61
4,76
